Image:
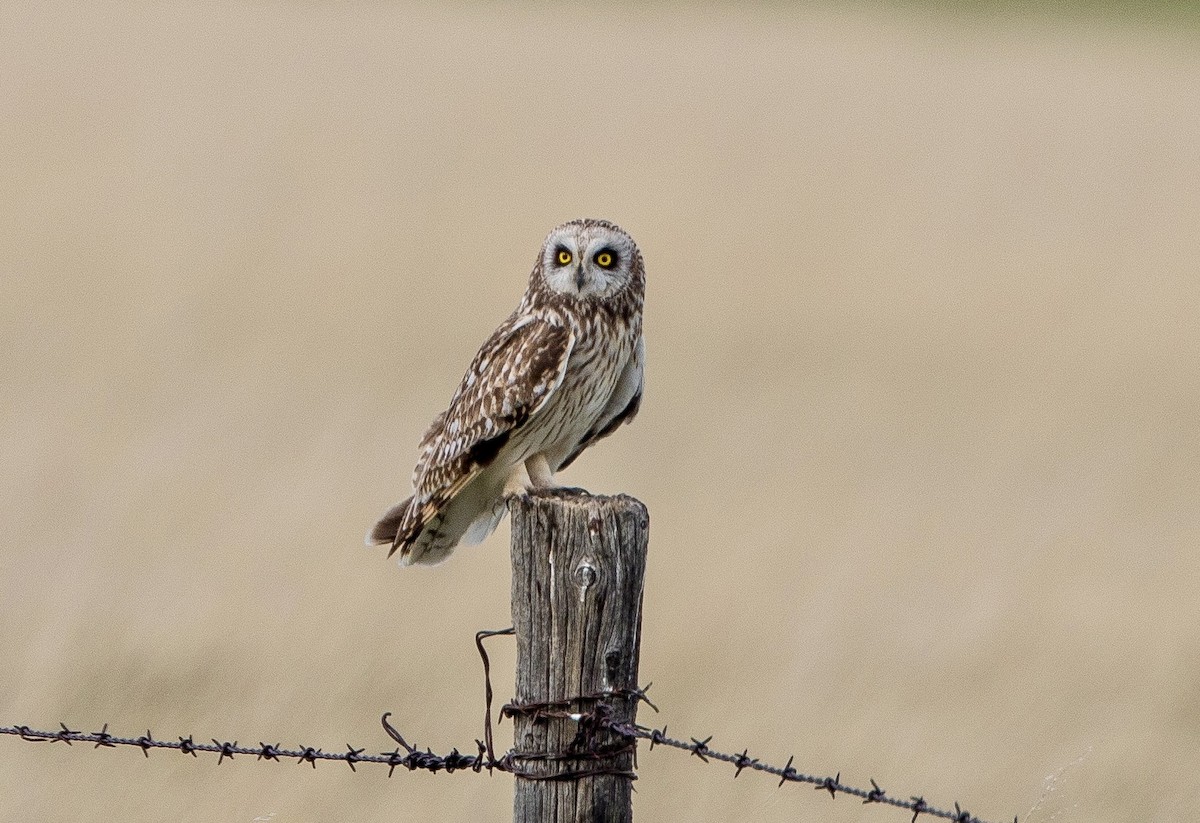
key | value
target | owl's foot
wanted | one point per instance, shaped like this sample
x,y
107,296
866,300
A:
x,y
542,483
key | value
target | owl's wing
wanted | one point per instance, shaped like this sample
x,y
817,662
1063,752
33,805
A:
x,y
509,380
622,406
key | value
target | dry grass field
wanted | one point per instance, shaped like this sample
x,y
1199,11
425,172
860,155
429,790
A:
x,y
920,442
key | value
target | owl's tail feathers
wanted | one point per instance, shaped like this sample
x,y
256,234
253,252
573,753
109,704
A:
x,y
485,523
385,530
415,531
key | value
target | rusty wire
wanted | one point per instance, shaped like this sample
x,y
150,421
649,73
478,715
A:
x,y
412,759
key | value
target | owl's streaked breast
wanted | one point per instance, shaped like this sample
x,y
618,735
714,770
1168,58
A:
x,y
600,353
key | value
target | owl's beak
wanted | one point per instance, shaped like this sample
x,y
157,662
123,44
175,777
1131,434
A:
x,y
580,278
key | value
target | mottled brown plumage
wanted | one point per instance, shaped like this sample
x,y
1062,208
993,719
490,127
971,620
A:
x,y
563,371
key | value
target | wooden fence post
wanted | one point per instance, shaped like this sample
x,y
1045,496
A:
x,y
578,564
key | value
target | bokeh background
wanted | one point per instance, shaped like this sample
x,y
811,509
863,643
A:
x,y
920,438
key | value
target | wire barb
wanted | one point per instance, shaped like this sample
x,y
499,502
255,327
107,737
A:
x,y
103,738
65,736
742,762
831,785
788,772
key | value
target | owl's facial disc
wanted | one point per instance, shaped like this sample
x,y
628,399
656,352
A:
x,y
587,261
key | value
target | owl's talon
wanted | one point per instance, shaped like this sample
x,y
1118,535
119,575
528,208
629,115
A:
x,y
561,491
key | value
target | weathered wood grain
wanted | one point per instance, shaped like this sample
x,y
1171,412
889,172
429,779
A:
x,y
578,564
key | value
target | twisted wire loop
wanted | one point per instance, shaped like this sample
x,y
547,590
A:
x,y
588,748
480,636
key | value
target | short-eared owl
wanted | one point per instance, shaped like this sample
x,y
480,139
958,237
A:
x,y
563,371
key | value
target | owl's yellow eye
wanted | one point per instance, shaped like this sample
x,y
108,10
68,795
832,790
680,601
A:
x,y
563,257
605,259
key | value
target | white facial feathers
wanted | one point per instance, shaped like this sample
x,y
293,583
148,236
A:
x,y
587,259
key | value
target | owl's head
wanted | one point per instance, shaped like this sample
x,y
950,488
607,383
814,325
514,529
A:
x,y
590,258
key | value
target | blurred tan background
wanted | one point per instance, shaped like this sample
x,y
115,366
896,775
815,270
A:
x,y
920,440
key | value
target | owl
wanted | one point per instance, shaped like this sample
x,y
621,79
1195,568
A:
x,y
563,371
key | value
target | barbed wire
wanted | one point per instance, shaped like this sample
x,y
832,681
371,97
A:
x,y
412,759
834,785
600,716
591,712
